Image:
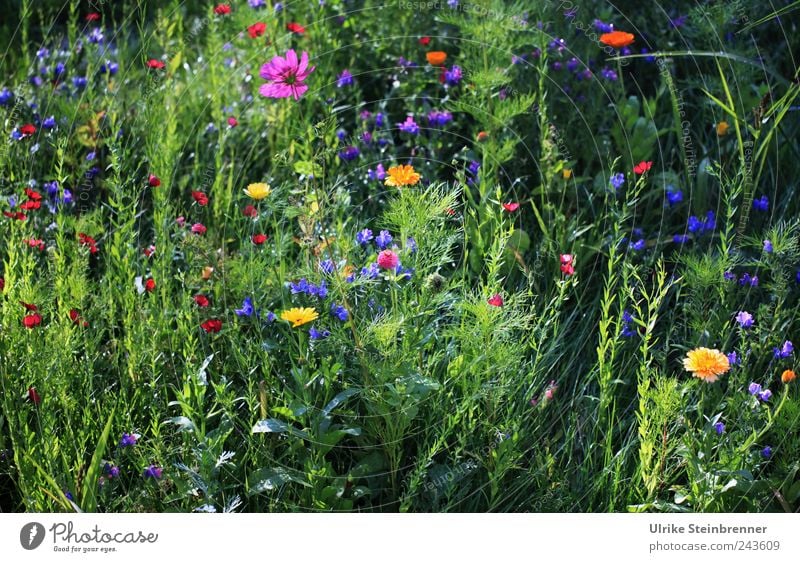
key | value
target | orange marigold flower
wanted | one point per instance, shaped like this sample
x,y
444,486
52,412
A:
x,y
399,176
706,364
787,376
436,58
617,39
722,128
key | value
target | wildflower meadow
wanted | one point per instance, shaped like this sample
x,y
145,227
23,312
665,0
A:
x,y
399,256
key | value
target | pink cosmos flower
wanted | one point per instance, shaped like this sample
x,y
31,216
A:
x,y
285,76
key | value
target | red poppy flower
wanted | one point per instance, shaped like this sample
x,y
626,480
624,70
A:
x,y
75,316
257,29
617,39
35,243
30,321
295,28
149,251
222,9
201,301
29,306
93,16
153,180
567,266
156,64
212,326
250,211
30,205
259,239
642,167
200,197
34,195
425,41
496,300
86,240
199,228
150,285
27,130
232,121
33,396
511,207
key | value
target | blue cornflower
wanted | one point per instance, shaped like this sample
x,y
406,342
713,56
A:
x,y
317,335
719,427
745,319
411,244
364,236
617,180
247,308
603,27
768,246
49,122
733,359
453,76
109,67
694,224
761,204
344,79
766,452
680,238
320,290
327,266
301,286
349,153
638,245
261,3
674,196
6,96
339,312
270,317
370,272
380,119
79,82
383,239
59,69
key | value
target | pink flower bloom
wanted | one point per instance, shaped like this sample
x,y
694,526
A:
x,y
496,300
198,228
285,76
387,259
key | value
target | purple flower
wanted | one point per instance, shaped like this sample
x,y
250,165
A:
x,y
766,452
129,439
6,96
327,266
439,118
262,3
453,76
379,119
729,276
379,173
674,196
247,308
680,238
364,236
677,22
745,319
301,286
320,290
754,388
767,246
638,245
617,180
765,395
411,244
409,126
370,272
609,74
627,319
285,76
344,79
350,153
270,317
111,470
603,27
383,239
317,335
153,472
733,359
785,351
747,279
761,204
719,427
49,122
339,312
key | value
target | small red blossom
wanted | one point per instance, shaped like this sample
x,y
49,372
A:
x,y
33,396
30,321
30,205
259,239
567,266
156,64
16,216
496,300
201,301
642,167
35,243
27,130
29,306
425,41
295,28
232,122
75,316
93,16
250,211
2,283
483,136
222,9
199,228
387,259
86,240
150,285
180,220
149,251
511,207
200,197
212,326
451,212
257,29
153,180
33,195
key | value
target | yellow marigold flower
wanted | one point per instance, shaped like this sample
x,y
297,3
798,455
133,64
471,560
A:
x,y
566,173
787,376
706,364
258,191
722,128
299,316
402,175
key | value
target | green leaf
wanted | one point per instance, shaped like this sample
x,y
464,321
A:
x,y
268,479
338,399
90,485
